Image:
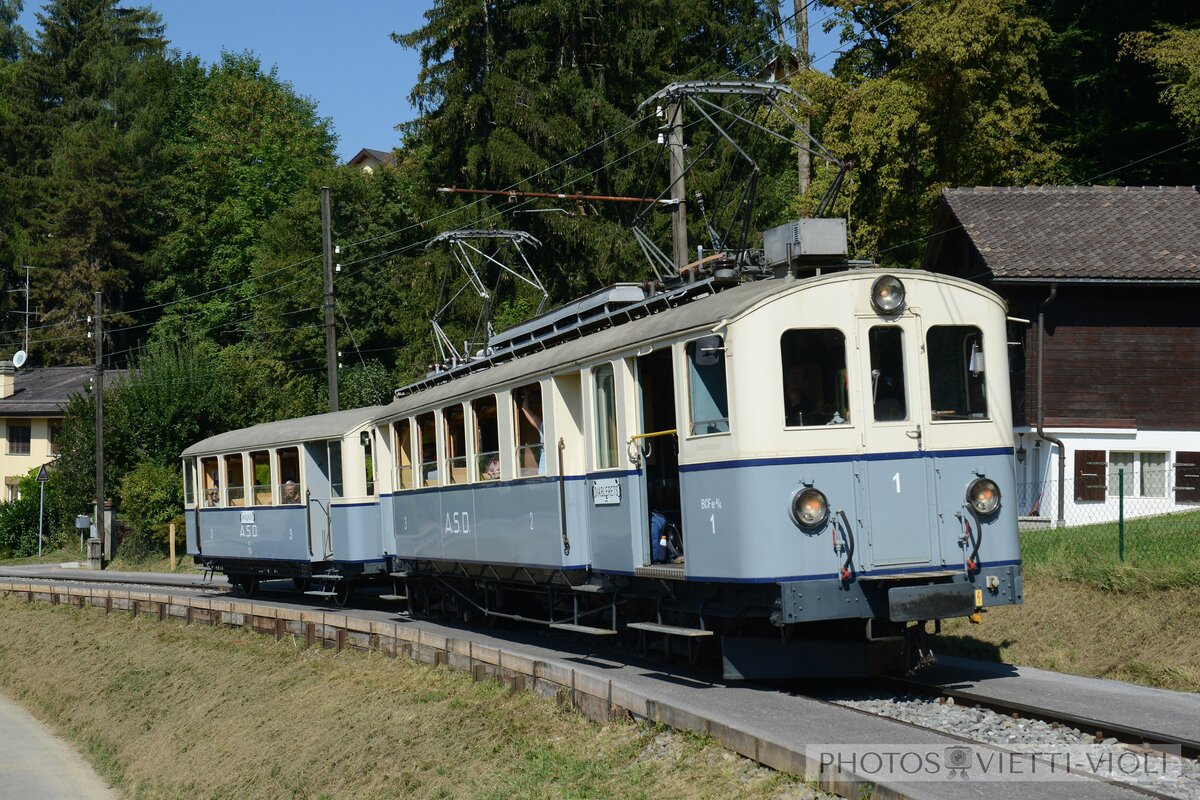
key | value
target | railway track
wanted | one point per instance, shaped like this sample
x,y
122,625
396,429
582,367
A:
x,y
1131,735
1097,727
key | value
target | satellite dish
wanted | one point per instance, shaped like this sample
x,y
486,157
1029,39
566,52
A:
x,y
20,358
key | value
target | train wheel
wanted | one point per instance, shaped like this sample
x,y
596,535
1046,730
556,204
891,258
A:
x,y
249,585
344,592
302,584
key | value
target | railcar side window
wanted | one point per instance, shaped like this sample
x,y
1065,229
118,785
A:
x,y
335,468
709,398
456,444
815,382
888,394
428,445
368,462
530,427
606,416
260,464
404,472
289,475
210,470
235,479
487,438
189,482
956,372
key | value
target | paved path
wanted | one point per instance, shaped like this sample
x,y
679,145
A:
x,y
37,765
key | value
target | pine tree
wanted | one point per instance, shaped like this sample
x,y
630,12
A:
x,y
90,93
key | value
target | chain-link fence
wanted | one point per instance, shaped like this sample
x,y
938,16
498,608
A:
x,y
1127,523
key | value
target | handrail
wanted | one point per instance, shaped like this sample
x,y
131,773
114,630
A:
x,y
672,432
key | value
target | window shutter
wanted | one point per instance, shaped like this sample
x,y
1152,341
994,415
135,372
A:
x,y
1187,477
1091,476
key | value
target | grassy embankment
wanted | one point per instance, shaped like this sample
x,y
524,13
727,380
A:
x,y
165,711
1088,613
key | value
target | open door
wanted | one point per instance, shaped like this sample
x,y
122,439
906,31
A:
x,y
659,444
896,479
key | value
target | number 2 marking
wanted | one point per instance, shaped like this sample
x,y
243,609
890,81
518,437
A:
x,y
896,478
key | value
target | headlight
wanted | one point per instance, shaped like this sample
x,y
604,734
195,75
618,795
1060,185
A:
x,y
984,496
810,509
887,294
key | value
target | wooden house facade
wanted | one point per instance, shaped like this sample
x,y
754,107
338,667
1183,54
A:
x,y
1103,286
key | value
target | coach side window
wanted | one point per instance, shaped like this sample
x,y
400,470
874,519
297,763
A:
x,y
606,416
530,427
428,444
956,385
404,472
815,383
487,438
888,394
709,399
189,482
455,420
211,471
235,479
260,466
289,475
334,449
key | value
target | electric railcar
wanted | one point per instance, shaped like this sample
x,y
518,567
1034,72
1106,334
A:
x,y
287,499
835,453
806,472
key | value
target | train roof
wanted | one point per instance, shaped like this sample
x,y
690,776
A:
x,y
286,431
698,315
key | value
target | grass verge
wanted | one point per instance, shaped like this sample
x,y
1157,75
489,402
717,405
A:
x,y
1145,635
1161,552
165,711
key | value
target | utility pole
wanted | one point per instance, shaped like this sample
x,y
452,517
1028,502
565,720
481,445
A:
x,y
331,365
24,313
679,237
103,531
804,158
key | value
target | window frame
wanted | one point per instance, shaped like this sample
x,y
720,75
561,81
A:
x,y
337,488
227,490
1135,478
28,443
518,446
270,484
615,418
905,376
474,441
189,482
848,419
692,373
929,365
208,486
279,479
419,446
398,427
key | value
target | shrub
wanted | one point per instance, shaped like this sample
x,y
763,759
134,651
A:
x,y
19,519
150,497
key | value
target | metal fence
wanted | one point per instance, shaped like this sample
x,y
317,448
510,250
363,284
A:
x,y
1136,519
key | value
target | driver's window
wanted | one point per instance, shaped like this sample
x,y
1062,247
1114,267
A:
x,y
888,395
956,372
815,382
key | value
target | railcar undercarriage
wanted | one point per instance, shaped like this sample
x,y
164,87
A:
x,y
738,626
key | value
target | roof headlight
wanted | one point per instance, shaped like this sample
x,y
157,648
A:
x,y
887,294
810,509
984,496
